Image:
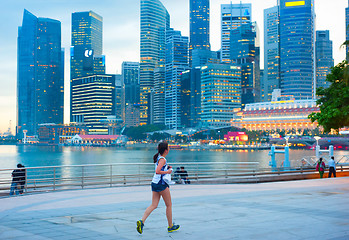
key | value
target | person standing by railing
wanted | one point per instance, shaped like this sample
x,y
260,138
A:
x,y
160,188
332,167
18,180
320,167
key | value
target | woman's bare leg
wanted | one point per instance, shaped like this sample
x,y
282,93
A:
x,y
153,206
166,195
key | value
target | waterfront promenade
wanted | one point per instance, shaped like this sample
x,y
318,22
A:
x,y
308,209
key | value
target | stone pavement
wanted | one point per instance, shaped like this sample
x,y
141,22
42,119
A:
x,y
308,209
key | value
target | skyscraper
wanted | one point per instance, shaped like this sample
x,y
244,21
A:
x,y
271,79
176,63
40,80
155,20
199,26
232,16
245,53
130,86
324,58
220,94
86,46
297,48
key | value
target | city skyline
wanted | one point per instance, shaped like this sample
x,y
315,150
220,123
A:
x,y
121,34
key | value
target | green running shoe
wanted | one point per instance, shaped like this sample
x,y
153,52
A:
x,y
173,228
140,225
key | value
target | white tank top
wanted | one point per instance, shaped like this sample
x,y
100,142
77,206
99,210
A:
x,y
163,178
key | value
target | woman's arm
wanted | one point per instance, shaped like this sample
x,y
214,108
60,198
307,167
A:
x,y
160,165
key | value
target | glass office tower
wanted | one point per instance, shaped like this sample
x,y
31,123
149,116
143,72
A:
x,y
232,16
271,79
324,58
155,20
199,26
243,52
130,86
297,48
176,63
40,80
86,47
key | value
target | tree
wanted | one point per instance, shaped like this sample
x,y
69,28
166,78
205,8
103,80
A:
x,y
334,100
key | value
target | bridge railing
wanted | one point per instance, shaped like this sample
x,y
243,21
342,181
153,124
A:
x,y
52,178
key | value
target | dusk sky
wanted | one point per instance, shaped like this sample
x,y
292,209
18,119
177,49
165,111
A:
x,y
121,30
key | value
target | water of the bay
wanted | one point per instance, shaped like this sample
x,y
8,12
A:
x,y
35,156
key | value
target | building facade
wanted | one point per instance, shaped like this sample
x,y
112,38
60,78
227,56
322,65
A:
x,y
93,100
130,86
199,26
176,62
40,80
297,38
324,58
155,20
220,94
159,97
232,16
86,45
283,114
271,79
245,53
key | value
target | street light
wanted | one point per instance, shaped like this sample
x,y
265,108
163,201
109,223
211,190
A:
x,y
286,138
317,138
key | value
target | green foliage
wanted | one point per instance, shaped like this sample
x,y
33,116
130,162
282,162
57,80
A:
x,y
334,101
139,133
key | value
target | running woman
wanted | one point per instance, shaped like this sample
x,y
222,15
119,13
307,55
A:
x,y
160,188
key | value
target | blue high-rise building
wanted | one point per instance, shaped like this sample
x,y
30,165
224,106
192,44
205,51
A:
x,y
86,45
297,48
271,79
245,53
199,26
86,48
155,20
176,62
130,85
232,16
324,58
40,80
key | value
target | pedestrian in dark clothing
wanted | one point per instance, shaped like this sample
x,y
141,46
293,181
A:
x,y
332,167
320,166
183,174
18,180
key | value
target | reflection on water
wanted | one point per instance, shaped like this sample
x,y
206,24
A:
x,y
32,156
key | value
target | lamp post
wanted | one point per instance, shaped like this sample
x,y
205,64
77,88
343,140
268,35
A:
x,y
317,148
287,163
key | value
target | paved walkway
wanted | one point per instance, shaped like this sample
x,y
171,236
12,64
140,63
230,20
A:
x,y
309,209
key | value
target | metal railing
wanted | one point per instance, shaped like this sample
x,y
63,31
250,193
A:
x,y
52,178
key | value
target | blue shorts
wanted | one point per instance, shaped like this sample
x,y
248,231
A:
x,y
159,187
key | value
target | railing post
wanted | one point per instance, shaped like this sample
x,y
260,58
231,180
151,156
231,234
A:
x,y
26,180
82,177
54,178
111,175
